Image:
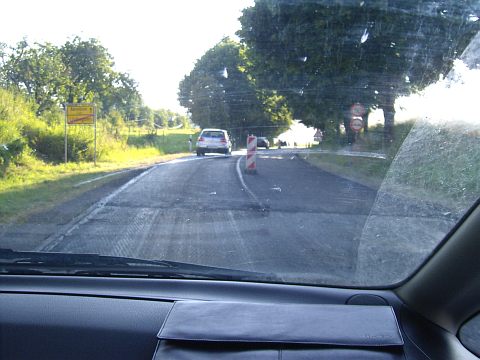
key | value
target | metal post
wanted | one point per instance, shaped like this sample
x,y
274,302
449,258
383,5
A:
x,y
65,110
95,135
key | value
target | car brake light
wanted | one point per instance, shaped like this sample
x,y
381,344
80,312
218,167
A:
x,y
201,139
223,140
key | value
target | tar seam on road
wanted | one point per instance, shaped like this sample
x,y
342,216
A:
x,y
247,189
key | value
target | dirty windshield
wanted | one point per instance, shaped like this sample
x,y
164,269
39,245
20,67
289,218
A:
x,y
309,142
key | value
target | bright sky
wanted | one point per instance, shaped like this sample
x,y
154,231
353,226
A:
x,y
155,41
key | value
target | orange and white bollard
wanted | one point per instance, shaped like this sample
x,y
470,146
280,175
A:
x,y
251,161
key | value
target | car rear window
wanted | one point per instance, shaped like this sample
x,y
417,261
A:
x,y
214,134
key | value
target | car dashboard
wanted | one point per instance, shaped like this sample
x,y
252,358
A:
x,y
59,317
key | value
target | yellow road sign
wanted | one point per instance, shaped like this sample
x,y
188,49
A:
x,y
80,114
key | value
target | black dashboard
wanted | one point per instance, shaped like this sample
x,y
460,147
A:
x,y
119,318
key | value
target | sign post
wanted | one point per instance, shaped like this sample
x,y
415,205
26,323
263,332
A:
x,y
82,114
66,147
95,137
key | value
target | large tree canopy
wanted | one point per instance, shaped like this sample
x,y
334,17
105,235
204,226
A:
x,y
37,71
219,92
324,56
79,70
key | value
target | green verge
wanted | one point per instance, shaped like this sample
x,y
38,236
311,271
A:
x,y
366,171
35,185
439,163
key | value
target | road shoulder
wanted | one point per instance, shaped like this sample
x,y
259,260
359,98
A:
x,y
46,221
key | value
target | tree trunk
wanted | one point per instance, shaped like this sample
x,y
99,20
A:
x,y
348,130
337,132
365,123
389,116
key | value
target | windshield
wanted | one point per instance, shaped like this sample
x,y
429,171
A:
x,y
352,148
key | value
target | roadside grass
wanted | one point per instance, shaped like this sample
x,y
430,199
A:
x,y
367,171
32,173
166,141
34,185
438,162
41,188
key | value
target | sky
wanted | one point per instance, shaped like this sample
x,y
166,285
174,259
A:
x,y
155,41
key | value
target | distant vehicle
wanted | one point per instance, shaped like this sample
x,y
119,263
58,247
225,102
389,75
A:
x,y
213,141
263,142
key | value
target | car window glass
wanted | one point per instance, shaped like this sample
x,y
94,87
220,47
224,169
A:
x,y
133,136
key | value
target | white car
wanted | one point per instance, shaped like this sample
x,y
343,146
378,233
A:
x,y
213,141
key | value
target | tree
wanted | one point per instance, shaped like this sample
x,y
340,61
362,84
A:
x,y
161,117
123,96
90,70
184,120
219,92
146,116
323,56
36,70
77,71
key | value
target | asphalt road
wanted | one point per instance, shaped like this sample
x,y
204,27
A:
x,y
290,218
